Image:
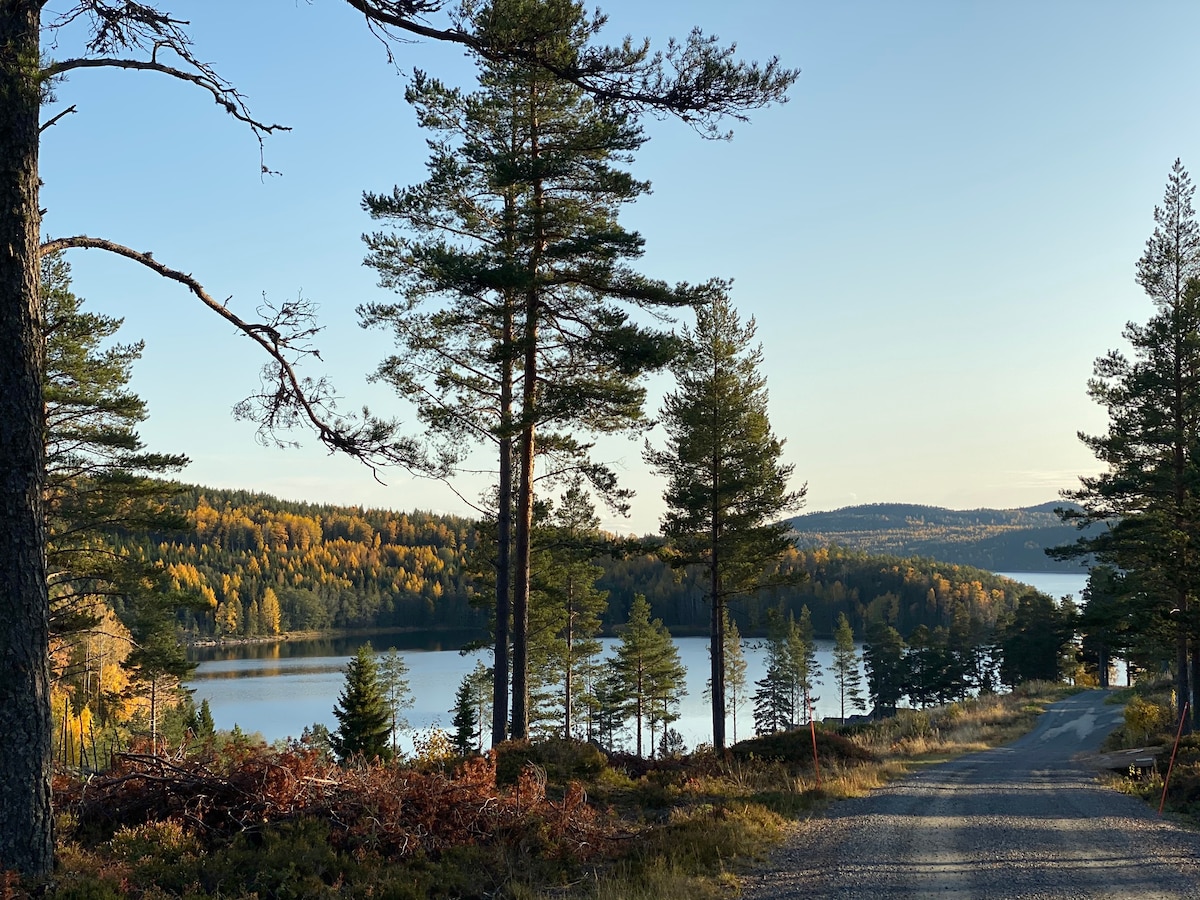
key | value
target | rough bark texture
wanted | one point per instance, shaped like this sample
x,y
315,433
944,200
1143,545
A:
x,y
26,834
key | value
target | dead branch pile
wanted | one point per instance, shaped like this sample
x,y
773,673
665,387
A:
x,y
394,811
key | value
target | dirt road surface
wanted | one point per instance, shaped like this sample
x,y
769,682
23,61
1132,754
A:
x,y
1022,821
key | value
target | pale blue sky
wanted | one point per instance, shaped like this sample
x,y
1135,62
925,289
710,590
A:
x,y
937,235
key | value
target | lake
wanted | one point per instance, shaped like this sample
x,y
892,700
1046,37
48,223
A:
x,y
278,689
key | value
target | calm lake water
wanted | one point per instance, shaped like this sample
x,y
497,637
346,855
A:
x,y
279,689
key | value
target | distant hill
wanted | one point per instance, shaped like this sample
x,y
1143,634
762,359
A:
x,y
999,540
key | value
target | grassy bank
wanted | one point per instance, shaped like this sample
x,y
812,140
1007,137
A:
x,y
554,820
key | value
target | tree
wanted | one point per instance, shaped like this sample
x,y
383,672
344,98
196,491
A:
x,y
1149,497
803,669
516,233
99,477
887,671
472,710
774,698
566,610
726,485
846,674
696,80
397,695
735,673
364,721
649,672
1033,642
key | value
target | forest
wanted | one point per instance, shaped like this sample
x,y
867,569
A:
x,y
260,566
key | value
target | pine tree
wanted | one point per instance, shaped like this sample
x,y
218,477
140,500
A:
x,y
648,669
846,674
802,663
727,486
565,611
99,477
735,673
362,712
1149,496
516,235
397,695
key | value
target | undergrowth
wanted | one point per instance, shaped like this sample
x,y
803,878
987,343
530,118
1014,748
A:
x,y
557,819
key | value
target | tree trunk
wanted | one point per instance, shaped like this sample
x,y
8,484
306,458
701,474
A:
x,y
503,583
26,830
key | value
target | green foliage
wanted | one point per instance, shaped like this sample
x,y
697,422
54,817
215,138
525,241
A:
x,y
1034,641
649,674
1148,494
472,710
887,674
397,696
726,484
562,760
846,674
362,712
795,748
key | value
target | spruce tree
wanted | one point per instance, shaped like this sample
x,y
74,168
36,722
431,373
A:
x,y
846,674
887,671
472,710
364,721
727,487
803,667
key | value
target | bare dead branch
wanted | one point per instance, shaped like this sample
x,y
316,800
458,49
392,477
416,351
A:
x,y
66,112
290,399
223,94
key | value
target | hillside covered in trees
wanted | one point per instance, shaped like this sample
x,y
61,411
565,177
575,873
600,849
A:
x,y
1000,540
260,566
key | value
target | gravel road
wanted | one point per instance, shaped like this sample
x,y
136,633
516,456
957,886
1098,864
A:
x,y
1020,821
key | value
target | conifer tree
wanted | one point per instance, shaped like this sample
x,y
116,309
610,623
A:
x,y
846,674
735,673
697,80
515,236
364,721
887,671
648,668
773,697
802,662
565,611
1149,496
727,487
472,710
397,695
99,476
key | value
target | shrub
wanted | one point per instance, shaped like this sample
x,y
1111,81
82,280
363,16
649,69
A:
x,y
1145,720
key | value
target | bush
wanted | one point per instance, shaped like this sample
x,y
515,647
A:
x,y
562,760
1146,720
795,748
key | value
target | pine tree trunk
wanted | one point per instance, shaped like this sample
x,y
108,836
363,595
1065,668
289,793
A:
x,y
26,830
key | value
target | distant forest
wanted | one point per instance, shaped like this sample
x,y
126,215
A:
x,y
1000,540
258,566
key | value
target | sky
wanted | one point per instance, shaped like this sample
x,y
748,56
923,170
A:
x,y
936,235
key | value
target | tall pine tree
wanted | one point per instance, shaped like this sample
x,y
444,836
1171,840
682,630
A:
x,y
1149,496
727,487
516,236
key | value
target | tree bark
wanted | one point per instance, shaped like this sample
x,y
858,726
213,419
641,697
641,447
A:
x,y
26,829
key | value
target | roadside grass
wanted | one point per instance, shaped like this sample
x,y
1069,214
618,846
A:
x,y
1151,723
550,821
